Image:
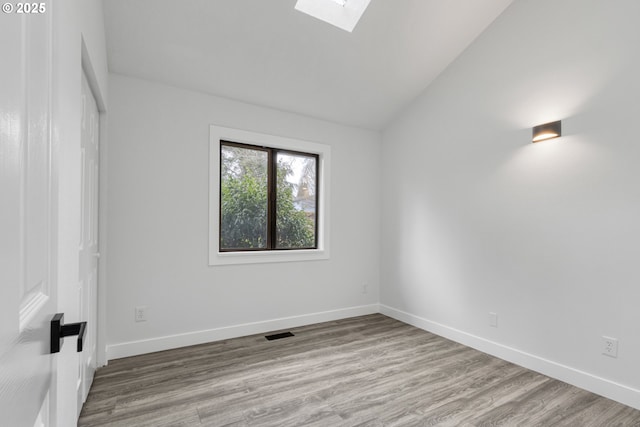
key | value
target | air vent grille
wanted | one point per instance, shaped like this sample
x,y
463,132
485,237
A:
x,y
279,336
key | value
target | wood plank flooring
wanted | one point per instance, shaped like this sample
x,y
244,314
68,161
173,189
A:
x,y
364,371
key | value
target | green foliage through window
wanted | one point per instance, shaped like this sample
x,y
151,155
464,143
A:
x,y
251,219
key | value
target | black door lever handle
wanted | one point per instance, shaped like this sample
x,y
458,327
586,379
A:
x,y
59,330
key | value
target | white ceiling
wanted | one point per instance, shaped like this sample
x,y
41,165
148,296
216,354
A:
x,y
265,52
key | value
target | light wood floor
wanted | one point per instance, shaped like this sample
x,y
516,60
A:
x,y
364,371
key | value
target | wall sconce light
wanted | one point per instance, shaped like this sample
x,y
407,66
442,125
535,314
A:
x,y
547,131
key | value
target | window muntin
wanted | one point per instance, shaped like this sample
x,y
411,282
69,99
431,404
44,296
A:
x,y
268,198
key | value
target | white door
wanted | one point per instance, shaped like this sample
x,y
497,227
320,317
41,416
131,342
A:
x,y
88,238
28,289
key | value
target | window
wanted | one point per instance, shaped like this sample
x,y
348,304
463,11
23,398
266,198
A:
x,y
268,198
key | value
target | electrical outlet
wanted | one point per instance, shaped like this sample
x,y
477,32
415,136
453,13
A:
x,y
610,346
493,319
141,313
365,288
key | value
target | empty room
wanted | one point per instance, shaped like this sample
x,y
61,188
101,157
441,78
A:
x,y
320,213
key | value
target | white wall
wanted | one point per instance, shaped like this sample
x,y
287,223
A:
x,y
476,219
158,224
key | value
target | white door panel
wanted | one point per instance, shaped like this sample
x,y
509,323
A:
x,y
88,274
27,291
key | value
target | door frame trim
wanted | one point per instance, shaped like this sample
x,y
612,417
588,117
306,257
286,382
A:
x,y
101,315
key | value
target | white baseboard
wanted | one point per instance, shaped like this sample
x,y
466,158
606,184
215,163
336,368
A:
x,y
612,390
134,348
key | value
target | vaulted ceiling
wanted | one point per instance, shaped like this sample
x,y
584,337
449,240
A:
x,y
266,53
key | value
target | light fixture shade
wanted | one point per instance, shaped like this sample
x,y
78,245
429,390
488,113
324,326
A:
x,y
547,131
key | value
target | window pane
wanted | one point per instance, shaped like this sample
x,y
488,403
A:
x,y
243,198
296,201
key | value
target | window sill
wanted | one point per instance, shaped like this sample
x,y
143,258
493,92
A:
x,y
235,258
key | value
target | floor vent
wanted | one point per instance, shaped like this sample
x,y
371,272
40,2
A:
x,y
279,336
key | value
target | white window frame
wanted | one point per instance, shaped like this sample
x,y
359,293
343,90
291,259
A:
x,y
219,133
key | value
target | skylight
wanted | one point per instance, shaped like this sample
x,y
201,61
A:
x,y
344,14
